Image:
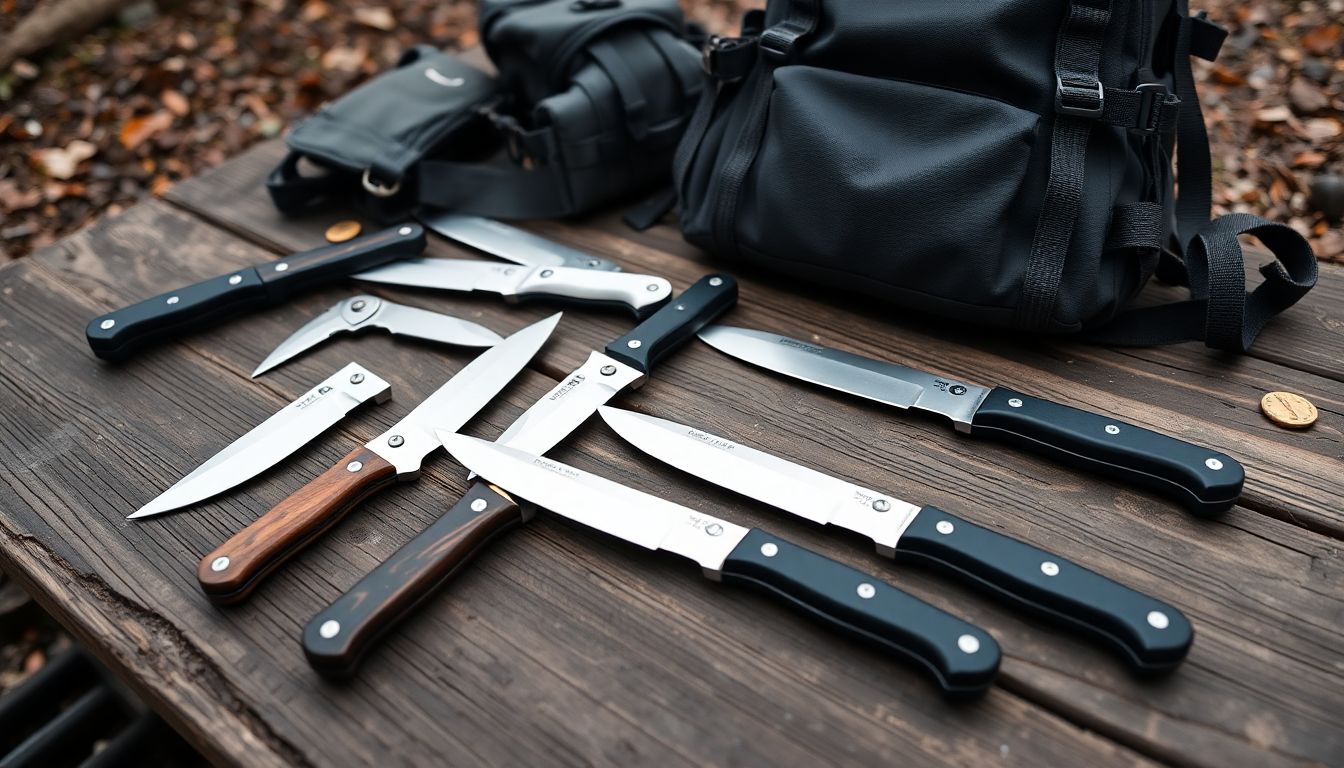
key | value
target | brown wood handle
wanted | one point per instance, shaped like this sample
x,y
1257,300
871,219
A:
x,y
235,568
338,636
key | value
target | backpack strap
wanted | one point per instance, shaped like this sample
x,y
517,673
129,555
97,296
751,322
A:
x,y
1197,36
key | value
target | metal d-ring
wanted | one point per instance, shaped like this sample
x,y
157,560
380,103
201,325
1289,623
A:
x,y
376,189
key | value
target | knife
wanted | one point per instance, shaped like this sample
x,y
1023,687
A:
x,y
348,627
962,658
234,569
117,335
361,313
641,294
275,438
1152,635
1206,482
510,243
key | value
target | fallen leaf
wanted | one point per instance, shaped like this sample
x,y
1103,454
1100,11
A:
x,y
313,10
14,199
344,59
1321,40
1309,159
62,162
1274,115
175,102
377,17
34,661
1322,128
160,185
137,129
1225,76
1307,97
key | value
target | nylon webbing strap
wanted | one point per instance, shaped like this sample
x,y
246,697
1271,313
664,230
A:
x,y
1079,100
1194,194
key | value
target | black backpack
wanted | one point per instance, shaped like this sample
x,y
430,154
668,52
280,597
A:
x,y
1003,162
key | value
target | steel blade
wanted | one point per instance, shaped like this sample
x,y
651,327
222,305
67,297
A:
x,y
877,380
560,411
796,489
272,440
596,502
433,326
450,275
407,443
314,332
511,243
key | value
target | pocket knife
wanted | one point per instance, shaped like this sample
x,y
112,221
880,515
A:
x,y
1206,482
1150,634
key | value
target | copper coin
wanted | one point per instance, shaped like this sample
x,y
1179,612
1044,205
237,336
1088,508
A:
x,y
1288,410
343,230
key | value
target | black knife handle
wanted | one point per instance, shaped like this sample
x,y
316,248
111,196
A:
x,y
962,657
678,320
1206,482
118,334
1153,635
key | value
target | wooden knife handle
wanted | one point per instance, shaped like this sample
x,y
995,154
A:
x,y
235,568
339,635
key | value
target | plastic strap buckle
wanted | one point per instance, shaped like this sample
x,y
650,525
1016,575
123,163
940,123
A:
x,y
1079,96
1152,100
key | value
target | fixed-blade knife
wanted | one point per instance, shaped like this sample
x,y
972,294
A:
x,y
1205,481
510,243
119,334
235,568
1151,635
962,658
289,429
347,628
362,313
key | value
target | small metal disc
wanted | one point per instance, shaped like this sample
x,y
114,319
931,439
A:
x,y
343,230
1288,410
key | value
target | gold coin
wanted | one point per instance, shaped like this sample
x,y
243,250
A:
x,y
343,230
1288,410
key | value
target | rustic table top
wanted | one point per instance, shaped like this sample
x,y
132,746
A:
x,y
559,645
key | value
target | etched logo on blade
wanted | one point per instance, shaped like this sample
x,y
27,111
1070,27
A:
x,y
311,398
800,345
565,388
559,469
712,440
710,526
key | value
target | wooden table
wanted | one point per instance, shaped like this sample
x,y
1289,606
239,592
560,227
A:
x,y
562,646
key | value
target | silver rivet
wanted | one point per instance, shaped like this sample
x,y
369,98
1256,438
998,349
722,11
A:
x,y
866,591
653,287
329,629
681,307
769,549
354,466
479,505
1014,402
1049,568
607,370
236,279
172,300
1213,464
1111,429
281,267
358,306
1158,620
219,564
547,272
634,343
882,505
356,378
716,281
944,527
968,643
404,231
106,324
395,441
593,262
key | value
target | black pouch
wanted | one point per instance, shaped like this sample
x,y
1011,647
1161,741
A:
x,y
370,141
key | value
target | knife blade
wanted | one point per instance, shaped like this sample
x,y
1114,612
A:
x,y
361,313
962,658
119,334
510,243
1205,481
349,626
641,294
235,568
1150,634
265,445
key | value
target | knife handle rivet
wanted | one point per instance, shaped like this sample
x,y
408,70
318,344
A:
x,y
172,300
219,564
866,591
354,466
404,231
608,370
769,549
1049,568
681,307
356,378
479,505
882,505
1213,464
716,281
329,629
593,263
1111,429
634,343
107,324
1014,402
968,643
653,287
395,441
358,306
944,527
1158,620
547,272
236,279
281,267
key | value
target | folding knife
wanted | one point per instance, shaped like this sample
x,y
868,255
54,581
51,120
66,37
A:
x,y
117,335
1206,482
235,568
962,657
510,243
1152,635
362,313
389,592
286,431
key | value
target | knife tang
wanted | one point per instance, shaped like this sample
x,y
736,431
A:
x,y
677,321
338,636
1207,482
235,568
963,658
118,334
1153,635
